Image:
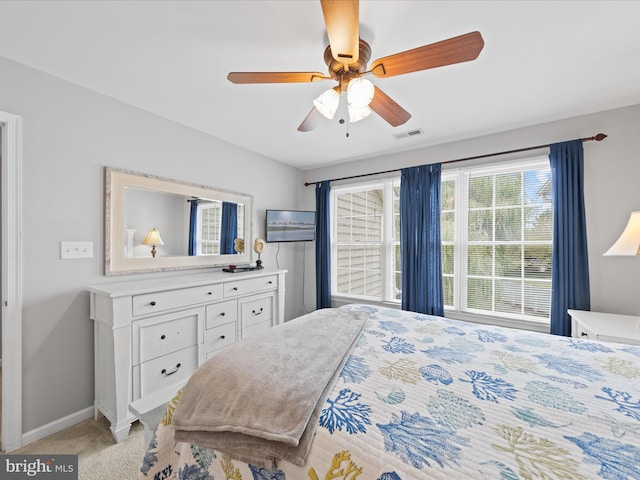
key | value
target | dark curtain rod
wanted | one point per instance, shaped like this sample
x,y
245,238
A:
x,y
598,138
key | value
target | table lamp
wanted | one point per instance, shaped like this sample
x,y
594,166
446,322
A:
x,y
629,242
153,239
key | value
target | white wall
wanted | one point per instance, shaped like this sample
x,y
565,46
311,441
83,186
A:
x,y
612,172
70,134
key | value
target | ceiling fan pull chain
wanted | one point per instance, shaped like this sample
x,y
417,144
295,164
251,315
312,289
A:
x,y
345,114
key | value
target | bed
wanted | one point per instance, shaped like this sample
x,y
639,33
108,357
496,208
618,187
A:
x,y
419,396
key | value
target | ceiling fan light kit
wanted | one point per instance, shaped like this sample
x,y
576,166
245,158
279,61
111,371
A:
x,y
347,56
357,114
360,93
327,103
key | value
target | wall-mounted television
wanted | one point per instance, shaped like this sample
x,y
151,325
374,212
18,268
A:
x,y
290,226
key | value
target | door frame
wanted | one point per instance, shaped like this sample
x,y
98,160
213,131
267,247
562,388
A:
x,y
11,281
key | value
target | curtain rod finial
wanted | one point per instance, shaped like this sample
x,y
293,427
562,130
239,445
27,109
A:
x,y
598,138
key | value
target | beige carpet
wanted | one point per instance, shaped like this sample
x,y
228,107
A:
x,y
99,457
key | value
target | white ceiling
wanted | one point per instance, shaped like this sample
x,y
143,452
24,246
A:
x,y
542,61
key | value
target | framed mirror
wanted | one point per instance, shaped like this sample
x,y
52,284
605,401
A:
x,y
154,224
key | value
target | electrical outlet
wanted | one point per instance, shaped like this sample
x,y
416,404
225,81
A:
x,y
73,250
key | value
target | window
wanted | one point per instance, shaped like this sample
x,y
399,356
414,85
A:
x,y
366,241
496,227
496,232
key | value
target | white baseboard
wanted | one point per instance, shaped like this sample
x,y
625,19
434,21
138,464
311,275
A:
x,y
56,426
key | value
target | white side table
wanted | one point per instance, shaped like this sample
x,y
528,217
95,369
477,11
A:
x,y
606,327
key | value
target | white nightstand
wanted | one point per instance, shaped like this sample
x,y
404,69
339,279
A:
x,y
606,327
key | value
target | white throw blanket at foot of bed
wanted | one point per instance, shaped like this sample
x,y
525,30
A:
x,y
259,400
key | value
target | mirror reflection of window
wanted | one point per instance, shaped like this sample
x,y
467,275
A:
x,y
206,230
214,226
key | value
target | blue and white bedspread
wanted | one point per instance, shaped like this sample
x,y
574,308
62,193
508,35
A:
x,y
427,397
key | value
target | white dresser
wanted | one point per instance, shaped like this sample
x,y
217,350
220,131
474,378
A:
x,y
606,327
152,334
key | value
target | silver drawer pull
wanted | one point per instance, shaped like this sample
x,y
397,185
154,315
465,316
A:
x,y
258,312
153,304
164,370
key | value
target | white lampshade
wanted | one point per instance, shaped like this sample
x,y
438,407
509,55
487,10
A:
x,y
153,238
629,242
327,103
360,93
357,114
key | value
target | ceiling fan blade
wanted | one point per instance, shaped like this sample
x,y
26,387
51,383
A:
x,y
275,77
341,17
310,121
388,109
446,52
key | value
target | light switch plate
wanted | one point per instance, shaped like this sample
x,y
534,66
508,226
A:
x,y
74,250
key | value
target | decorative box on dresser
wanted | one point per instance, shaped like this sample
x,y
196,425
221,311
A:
x,y
150,335
606,327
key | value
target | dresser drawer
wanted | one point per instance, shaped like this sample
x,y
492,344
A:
x,y
219,337
168,370
251,285
164,334
256,329
580,331
221,313
256,310
613,339
168,299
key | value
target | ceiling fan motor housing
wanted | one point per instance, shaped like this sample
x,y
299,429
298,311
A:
x,y
344,73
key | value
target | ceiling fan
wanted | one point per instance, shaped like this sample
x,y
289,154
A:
x,y
346,58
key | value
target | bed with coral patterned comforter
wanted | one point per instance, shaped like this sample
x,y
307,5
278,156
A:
x,y
428,397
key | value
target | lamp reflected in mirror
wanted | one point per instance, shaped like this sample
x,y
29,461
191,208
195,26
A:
x,y
153,238
629,242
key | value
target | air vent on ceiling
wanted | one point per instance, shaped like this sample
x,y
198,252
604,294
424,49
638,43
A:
x,y
410,133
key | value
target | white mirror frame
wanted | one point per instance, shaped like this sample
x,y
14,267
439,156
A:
x,y
115,262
